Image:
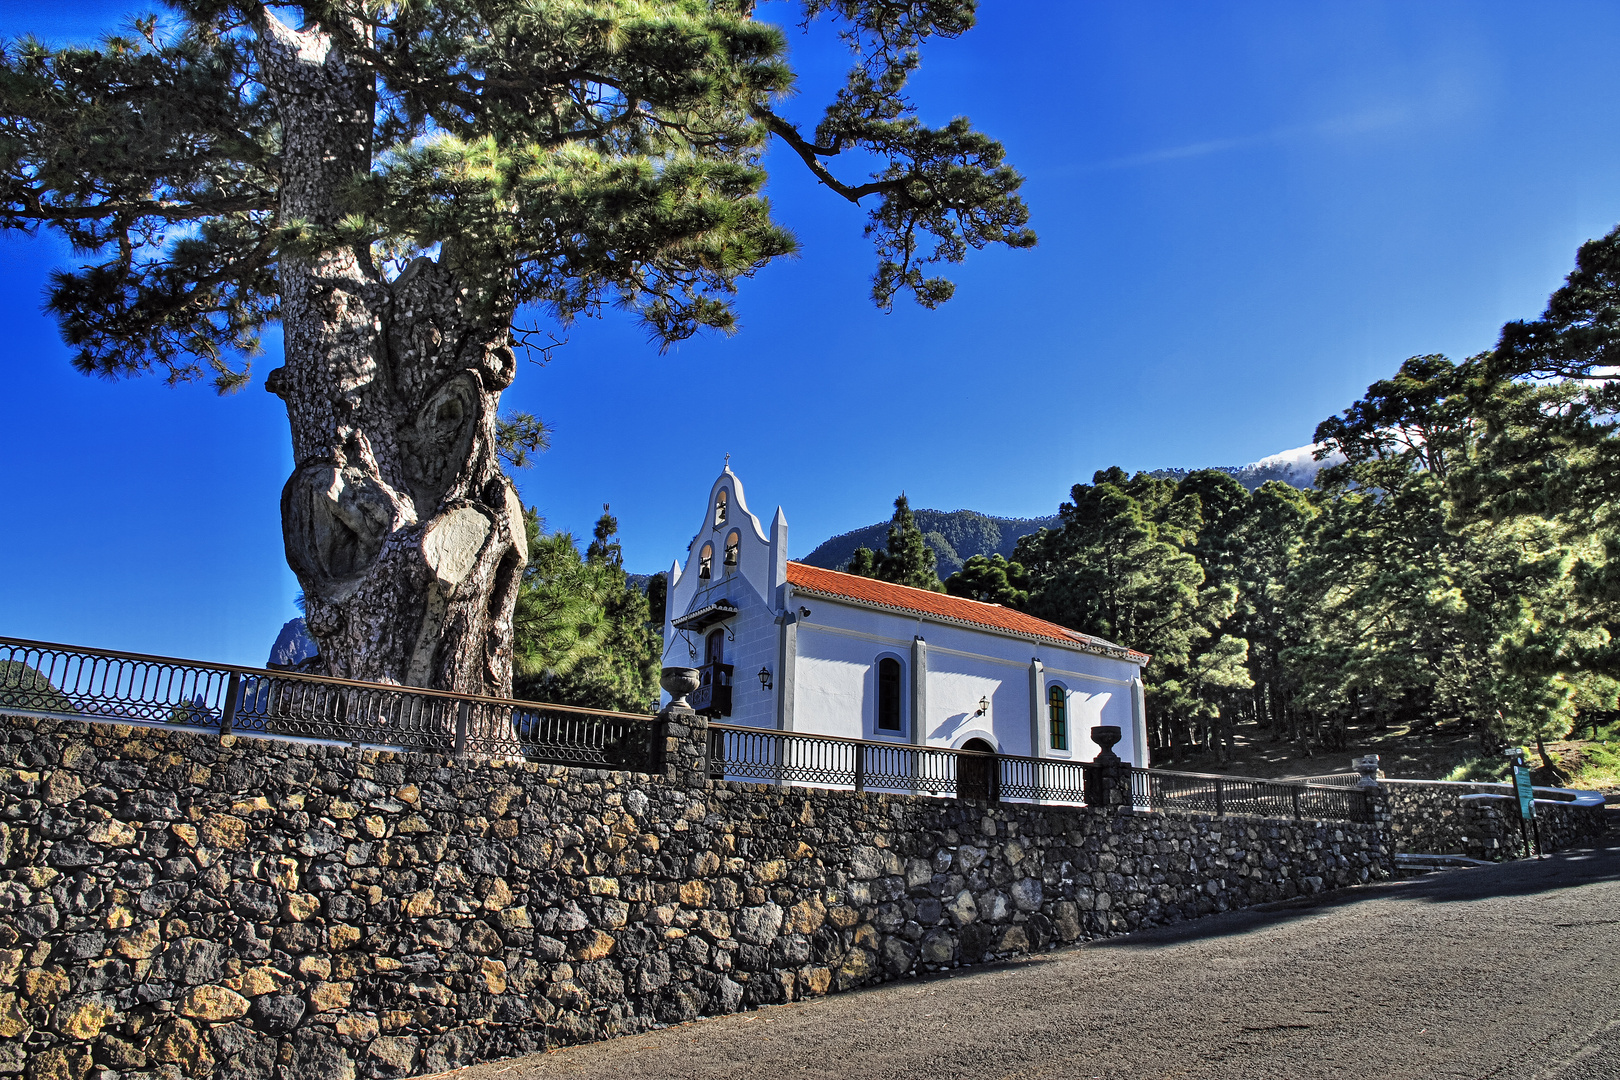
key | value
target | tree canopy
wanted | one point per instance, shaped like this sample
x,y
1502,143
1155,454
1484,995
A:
x,y
573,156
1459,569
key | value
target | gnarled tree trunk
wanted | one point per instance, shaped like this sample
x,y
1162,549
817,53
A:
x,y
408,540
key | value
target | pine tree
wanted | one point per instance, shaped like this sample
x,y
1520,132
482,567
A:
x,y
1269,544
392,183
1210,688
863,563
908,560
583,635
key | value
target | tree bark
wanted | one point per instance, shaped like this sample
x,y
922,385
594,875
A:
x,y
406,537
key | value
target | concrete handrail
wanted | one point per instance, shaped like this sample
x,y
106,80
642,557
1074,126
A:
x,y
1568,796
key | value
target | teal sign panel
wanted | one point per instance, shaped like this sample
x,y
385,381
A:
x,y
1527,793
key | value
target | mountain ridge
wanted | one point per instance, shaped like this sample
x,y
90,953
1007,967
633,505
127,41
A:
x,y
955,536
958,535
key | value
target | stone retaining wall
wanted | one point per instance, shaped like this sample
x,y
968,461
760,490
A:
x,y
177,905
1434,819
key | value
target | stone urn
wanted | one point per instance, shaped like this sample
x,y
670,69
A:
x,y
680,681
1106,736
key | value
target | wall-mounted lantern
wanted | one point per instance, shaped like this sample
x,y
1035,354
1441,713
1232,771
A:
x,y
984,706
764,678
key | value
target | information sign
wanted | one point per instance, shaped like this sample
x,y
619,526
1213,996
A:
x,y
1527,793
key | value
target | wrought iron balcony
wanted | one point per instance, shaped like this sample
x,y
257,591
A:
x,y
713,695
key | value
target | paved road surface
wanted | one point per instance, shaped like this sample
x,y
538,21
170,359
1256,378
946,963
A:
x,y
1505,971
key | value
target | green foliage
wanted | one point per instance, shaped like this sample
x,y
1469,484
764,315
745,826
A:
x,y
863,563
1482,770
570,155
1599,769
518,435
1125,565
582,635
991,580
25,688
908,560
1116,567
1459,563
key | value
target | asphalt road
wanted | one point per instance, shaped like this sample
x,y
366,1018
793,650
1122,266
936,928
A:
x,y
1505,971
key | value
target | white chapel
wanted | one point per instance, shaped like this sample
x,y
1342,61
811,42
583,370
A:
x,y
793,647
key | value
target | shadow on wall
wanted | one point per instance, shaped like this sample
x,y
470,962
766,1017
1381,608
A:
x,y
952,725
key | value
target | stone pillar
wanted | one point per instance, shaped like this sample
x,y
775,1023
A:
x,y
1108,779
919,690
787,657
1037,702
683,739
1382,852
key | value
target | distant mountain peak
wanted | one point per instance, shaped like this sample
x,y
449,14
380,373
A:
x,y
1297,467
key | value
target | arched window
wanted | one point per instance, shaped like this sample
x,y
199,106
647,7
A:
x,y
733,548
888,694
720,508
706,562
1057,717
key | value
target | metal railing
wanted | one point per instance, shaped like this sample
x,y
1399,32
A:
x,y
1249,796
43,679
780,757
1339,779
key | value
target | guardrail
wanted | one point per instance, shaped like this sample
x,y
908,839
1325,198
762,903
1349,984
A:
x,y
45,679
781,757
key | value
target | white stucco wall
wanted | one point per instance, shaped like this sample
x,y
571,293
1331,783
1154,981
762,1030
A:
x,y
839,645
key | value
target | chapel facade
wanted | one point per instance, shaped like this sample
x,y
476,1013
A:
x,y
793,647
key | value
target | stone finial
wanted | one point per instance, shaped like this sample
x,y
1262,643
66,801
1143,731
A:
x,y
1368,768
1106,736
679,681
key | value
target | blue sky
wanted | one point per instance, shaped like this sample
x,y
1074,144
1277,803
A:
x,y
1247,213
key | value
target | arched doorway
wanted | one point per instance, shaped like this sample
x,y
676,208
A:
x,y
975,776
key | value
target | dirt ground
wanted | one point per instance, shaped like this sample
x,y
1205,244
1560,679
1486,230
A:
x,y
1503,971
1424,752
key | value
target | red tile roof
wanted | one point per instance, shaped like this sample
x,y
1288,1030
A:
x,y
863,590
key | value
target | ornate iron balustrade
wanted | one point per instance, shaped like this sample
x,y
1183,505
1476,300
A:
x,y
781,757
43,679
744,753
713,695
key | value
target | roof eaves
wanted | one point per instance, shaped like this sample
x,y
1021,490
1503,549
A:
x,y
1078,642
